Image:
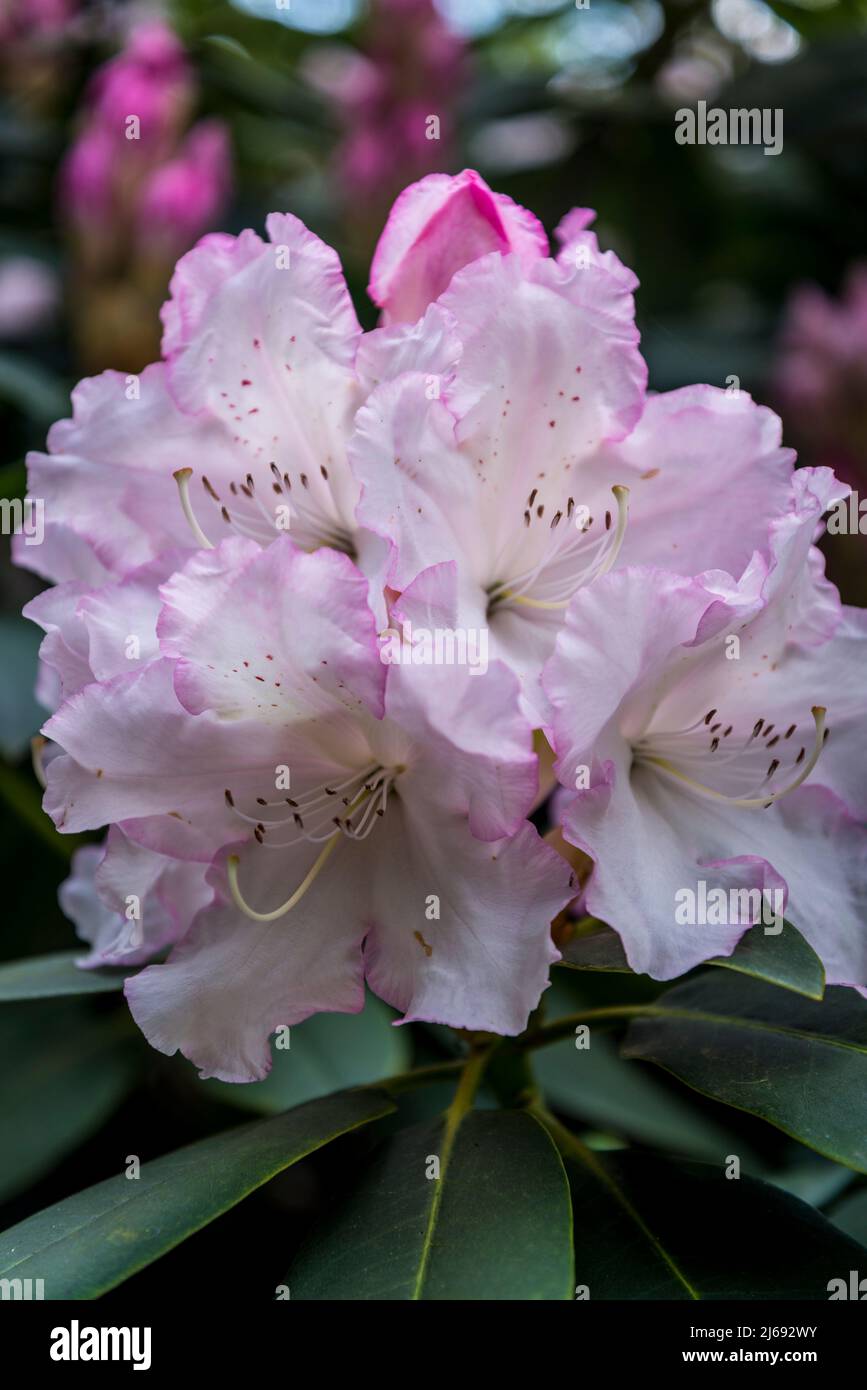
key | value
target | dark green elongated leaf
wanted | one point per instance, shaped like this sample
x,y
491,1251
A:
x,y
65,1072
786,960
599,1087
799,1064
596,1085
328,1052
495,1225
647,1228
43,977
91,1242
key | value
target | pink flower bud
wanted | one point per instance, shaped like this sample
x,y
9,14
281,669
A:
x,y
436,227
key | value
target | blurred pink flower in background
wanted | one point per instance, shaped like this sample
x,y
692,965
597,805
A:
x,y
29,295
181,197
396,102
25,19
128,153
36,37
150,79
820,380
136,189
86,180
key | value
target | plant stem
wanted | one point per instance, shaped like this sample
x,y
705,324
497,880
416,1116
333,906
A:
x,y
465,1094
422,1076
563,1027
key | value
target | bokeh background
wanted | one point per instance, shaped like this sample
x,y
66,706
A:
x,y
753,272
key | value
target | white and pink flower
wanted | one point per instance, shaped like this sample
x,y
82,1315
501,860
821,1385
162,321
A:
x,y
374,813
691,719
254,510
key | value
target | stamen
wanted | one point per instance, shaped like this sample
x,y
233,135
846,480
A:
x,y
316,518
572,582
182,478
363,790
818,712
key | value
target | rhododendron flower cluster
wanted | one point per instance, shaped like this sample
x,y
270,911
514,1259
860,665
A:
x,y
237,545
137,186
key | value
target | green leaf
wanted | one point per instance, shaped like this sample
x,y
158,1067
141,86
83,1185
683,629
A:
x,y
648,1228
91,1242
495,1225
786,960
328,1052
43,977
596,1085
65,1072
599,950
799,1064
